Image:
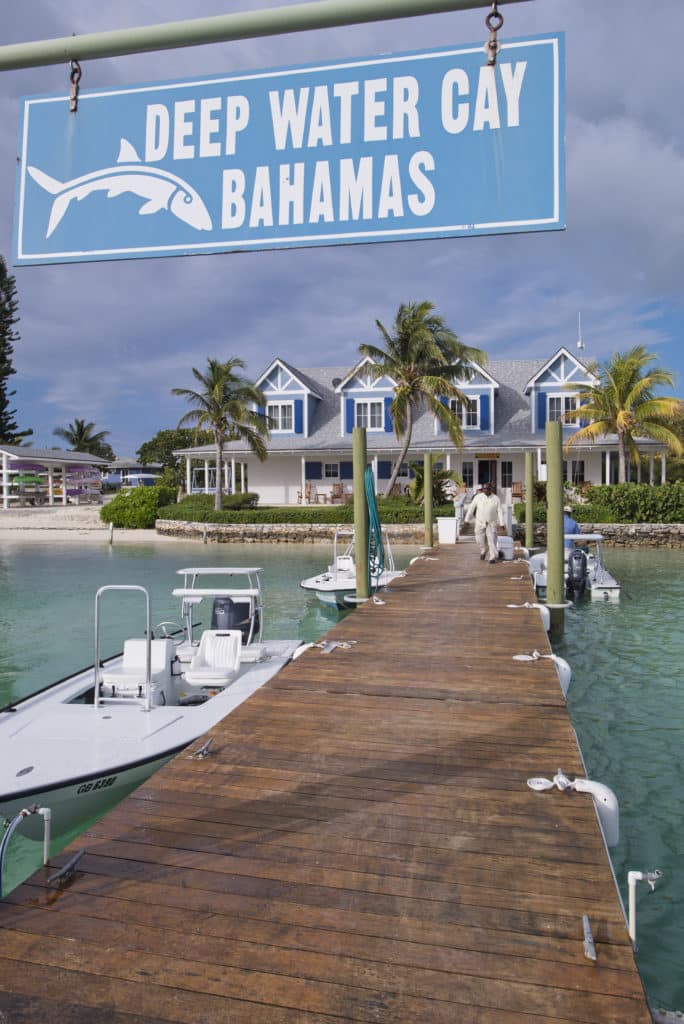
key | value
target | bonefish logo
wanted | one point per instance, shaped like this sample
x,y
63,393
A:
x,y
160,189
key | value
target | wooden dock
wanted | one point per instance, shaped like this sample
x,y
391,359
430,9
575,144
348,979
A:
x,y
360,845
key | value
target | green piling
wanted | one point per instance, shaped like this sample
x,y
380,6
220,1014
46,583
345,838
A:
x,y
555,562
427,499
360,512
529,500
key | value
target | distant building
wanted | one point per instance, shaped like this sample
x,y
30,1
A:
x,y
48,476
507,407
129,473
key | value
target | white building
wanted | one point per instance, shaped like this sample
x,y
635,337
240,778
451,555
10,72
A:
x,y
315,410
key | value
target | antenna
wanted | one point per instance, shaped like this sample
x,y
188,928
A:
x,y
580,343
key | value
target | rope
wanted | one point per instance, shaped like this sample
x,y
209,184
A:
x,y
376,552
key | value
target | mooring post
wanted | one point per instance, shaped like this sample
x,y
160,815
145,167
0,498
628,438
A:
x,y
360,512
555,561
529,500
427,498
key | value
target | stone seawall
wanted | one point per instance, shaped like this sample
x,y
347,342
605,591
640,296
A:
x,y
647,535
277,533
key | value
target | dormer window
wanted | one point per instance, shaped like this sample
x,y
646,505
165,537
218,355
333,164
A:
x,y
468,412
280,415
560,407
368,414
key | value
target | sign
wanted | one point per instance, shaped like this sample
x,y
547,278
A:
x,y
409,146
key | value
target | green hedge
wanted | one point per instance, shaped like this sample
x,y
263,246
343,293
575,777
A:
x,y
138,508
622,503
390,510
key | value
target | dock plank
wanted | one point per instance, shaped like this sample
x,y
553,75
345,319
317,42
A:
x,y
360,845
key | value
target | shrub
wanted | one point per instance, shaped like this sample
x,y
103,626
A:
x,y
137,509
196,509
539,511
622,503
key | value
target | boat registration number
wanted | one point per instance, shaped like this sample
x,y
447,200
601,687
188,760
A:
x,y
88,787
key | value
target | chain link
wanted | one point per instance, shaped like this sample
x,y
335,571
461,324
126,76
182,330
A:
x,y
494,21
74,78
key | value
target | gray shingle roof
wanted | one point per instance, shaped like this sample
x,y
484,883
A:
x,y
512,417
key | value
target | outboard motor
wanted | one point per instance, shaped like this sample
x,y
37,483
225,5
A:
x,y
577,572
229,614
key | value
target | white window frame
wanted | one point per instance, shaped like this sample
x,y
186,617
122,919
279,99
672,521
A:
x,y
277,419
366,404
471,411
331,471
565,399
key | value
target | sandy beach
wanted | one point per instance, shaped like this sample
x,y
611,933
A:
x,y
65,523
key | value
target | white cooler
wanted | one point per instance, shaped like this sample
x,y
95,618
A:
x,y
505,545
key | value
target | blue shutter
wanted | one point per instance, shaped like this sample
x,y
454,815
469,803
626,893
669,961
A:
x,y
384,469
299,416
441,427
484,412
388,417
349,414
313,470
541,410
346,470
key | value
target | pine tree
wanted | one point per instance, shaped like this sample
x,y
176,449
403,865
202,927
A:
x,y
9,431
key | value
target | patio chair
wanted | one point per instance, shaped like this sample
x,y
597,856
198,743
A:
x,y
307,493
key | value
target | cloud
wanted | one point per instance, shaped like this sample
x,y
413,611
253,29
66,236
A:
x,y
108,341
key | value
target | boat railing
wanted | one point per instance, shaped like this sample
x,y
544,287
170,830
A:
x,y
146,698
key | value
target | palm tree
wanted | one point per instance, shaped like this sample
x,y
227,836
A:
x,y
222,406
623,403
80,437
423,357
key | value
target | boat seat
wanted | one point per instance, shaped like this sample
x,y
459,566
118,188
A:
x,y
217,661
128,679
345,563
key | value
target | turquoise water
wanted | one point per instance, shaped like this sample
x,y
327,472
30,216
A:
x,y
47,614
627,707
626,698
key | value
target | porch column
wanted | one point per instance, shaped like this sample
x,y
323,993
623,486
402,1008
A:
x,y
51,486
663,470
638,479
232,475
225,476
651,470
206,476
188,474
302,479
5,480
64,484
375,473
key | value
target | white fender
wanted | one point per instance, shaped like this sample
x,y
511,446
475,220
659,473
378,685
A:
x,y
607,807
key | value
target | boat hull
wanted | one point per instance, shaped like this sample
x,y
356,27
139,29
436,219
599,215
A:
x,y
75,801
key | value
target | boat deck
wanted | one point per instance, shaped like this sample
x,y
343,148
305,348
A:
x,y
359,845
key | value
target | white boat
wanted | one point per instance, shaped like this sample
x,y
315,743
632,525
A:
x,y
336,587
585,569
81,744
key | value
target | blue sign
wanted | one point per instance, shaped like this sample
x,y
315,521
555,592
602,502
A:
x,y
406,146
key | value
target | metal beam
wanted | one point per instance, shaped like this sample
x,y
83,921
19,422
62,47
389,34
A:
x,y
223,28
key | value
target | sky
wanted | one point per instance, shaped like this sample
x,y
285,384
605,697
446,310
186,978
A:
x,y
107,341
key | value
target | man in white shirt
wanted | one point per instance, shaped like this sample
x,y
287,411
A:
x,y
487,511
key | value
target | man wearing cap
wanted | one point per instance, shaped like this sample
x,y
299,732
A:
x,y
570,525
487,511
